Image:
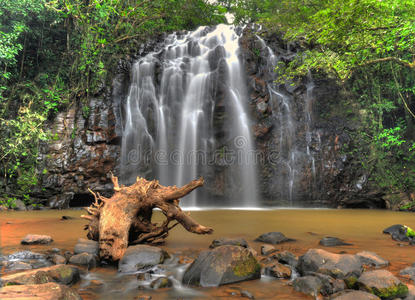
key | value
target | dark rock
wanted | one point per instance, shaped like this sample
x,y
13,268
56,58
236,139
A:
x,y
278,271
267,249
222,265
58,259
288,258
84,259
60,273
68,255
140,257
383,284
329,284
55,250
336,265
46,291
273,238
143,276
35,239
66,218
19,205
330,241
353,295
160,283
229,241
88,246
309,285
397,232
408,271
372,259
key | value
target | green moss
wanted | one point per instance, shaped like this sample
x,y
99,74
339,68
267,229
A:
x,y
65,272
397,291
351,282
11,283
247,267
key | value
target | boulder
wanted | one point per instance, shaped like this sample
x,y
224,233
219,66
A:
x,y
330,241
63,274
286,257
140,257
411,292
382,284
309,285
267,249
228,241
88,246
353,295
18,265
278,270
58,259
19,205
397,232
329,284
36,239
339,266
160,283
273,238
372,259
84,259
408,272
222,265
46,291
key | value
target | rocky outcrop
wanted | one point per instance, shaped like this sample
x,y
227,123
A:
x,y
46,291
140,257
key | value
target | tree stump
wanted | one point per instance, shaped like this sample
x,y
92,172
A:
x,y
125,218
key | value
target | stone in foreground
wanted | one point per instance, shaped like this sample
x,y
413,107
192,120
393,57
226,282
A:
x,y
339,266
409,272
140,257
273,238
353,295
46,291
382,284
63,274
36,239
309,285
222,265
372,259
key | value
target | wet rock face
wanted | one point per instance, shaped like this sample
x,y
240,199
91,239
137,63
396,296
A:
x,y
383,284
140,257
83,150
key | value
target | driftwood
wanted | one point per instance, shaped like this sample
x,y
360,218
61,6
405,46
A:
x,y
125,218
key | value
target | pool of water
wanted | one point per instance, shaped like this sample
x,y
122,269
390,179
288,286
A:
x,y
362,228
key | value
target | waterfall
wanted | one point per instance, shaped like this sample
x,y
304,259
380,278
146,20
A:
x,y
186,110
294,153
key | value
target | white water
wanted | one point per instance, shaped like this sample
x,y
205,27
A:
x,y
169,131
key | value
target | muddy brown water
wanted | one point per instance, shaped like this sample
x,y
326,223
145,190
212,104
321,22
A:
x,y
362,228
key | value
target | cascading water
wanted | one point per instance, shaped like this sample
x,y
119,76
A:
x,y
292,157
178,97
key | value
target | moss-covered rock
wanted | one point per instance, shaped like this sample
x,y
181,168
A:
x,y
382,284
223,265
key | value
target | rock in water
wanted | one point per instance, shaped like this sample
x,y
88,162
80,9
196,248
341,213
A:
x,y
160,283
222,265
309,285
382,284
46,291
397,232
35,239
408,271
372,259
88,246
84,259
330,241
228,241
273,238
338,266
140,257
60,273
353,295
278,270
